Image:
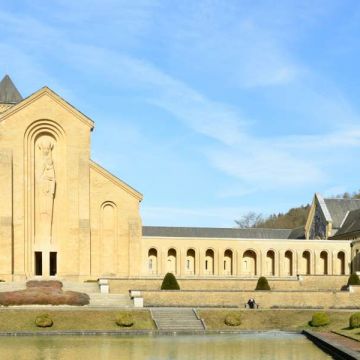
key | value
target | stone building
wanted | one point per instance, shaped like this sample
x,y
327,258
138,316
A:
x,y
63,215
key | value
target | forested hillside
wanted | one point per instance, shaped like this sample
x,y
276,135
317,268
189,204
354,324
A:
x,y
294,218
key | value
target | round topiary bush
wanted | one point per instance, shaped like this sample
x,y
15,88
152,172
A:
x,y
319,319
124,319
170,282
43,321
233,319
353,280
262,284
354,321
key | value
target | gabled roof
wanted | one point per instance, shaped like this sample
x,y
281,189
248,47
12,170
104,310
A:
x,y
204,232
9,94
338,209
115,180
351,223
54,96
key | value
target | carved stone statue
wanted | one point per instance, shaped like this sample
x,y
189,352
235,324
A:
x,y
45,190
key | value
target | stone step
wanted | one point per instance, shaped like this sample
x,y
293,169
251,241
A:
x,y
84,287
110,300
176,319
12,286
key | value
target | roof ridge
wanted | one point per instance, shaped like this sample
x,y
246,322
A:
x,y
341,199
9,94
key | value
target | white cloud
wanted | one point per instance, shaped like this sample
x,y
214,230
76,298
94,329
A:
x,y
256,56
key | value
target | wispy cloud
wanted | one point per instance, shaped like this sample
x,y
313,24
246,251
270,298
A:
x,y
234,54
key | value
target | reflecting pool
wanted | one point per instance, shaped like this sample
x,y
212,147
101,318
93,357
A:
x,y
265,346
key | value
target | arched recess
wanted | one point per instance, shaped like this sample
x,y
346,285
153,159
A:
x,y
171,262
340,263
288,263
108,221
249,263
44,145
323,263
270,263
209,262
305,265
190,267
152,261
228,262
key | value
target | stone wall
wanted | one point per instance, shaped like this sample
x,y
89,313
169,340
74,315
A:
x,y
333,283
281,299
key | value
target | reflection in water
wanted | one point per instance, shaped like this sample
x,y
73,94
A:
x,y
185,347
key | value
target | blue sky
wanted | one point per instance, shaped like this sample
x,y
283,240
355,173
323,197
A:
x,y
209,108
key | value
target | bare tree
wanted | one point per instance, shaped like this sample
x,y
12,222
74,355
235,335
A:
x,y
249,220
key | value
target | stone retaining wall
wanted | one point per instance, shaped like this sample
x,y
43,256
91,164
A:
x,y
121,285
281,299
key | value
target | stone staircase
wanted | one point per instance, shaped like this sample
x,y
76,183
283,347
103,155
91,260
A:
x,y
176,319
97,299
110,301
12,286
84,287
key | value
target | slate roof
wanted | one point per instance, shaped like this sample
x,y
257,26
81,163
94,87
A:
x,y
9,94
297,233
351,223
339,207
251,233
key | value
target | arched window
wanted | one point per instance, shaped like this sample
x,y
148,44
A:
x,y
306,263
323,263
288,263
228,262
171,261
270,263
152,261
209,262
340,263
249,263
190,262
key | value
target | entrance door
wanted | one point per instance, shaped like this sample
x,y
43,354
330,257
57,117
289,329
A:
x,y
38,263
53,263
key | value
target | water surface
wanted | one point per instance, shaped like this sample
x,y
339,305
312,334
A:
x,y
264,346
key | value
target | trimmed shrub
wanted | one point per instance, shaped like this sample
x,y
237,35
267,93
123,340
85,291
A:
x,y
170,282
320,319
262,284
354,321
43,321
353,280
233,319
124,319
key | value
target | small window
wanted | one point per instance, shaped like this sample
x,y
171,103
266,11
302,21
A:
x,y
206,264
150,264
188,264
224,264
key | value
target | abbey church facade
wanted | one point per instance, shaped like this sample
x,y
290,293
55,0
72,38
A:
x,y
64,216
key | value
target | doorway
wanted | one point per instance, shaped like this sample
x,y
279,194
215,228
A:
x,y
38,263
53,263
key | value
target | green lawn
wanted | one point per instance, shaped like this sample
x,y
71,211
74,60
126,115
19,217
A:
x,y
294,320
23,320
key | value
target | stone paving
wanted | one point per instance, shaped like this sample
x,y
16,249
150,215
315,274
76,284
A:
x,y
342,341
